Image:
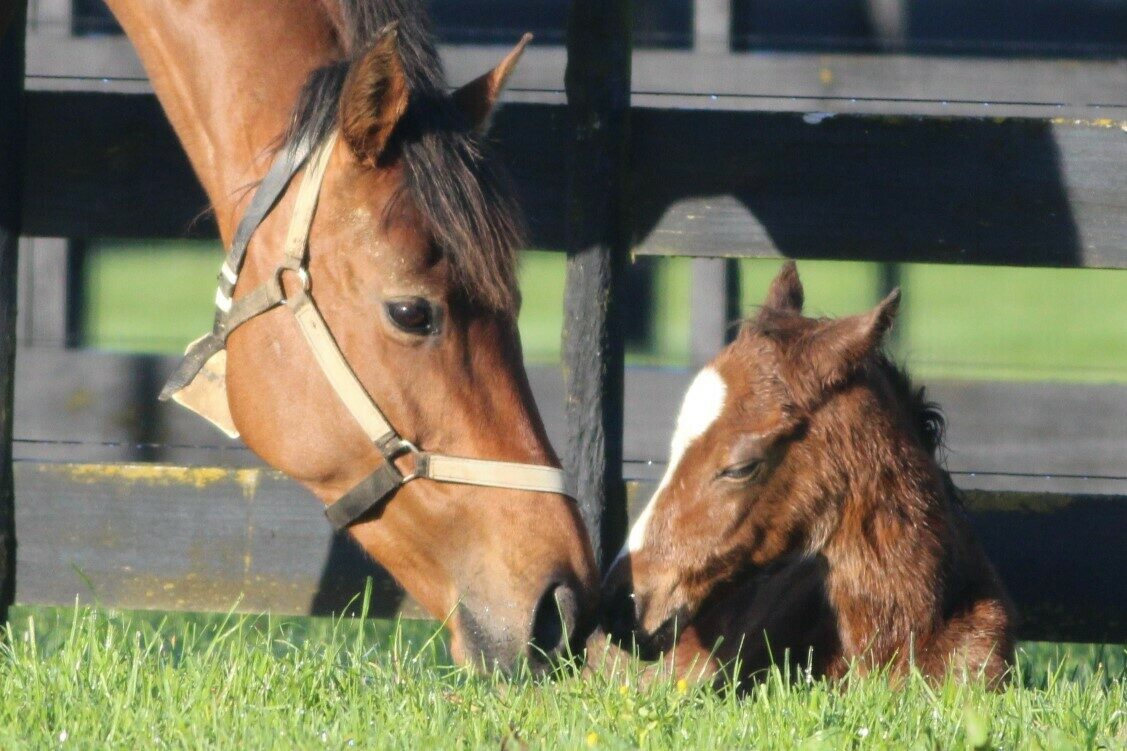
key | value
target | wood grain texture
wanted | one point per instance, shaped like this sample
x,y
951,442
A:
x,y
926,189
598,91
11,138
857,82
176,538
1037,437
906,189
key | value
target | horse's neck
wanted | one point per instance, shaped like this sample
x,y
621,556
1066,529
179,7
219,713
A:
x,y
887,560
227,75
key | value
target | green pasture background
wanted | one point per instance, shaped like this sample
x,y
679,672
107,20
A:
x,y
970,322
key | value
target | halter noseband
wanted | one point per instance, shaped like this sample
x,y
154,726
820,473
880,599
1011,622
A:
x,y
230,314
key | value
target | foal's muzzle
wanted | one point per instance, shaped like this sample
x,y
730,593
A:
x,y
623,616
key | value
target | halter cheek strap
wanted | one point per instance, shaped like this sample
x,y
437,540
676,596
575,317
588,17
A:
x,y
382,483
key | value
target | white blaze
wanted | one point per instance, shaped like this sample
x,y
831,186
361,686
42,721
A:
x,y
704,401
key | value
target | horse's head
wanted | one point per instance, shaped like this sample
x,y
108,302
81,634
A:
x,y
411,263
757,469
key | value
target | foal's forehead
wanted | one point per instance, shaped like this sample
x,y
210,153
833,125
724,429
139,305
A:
x,y
752,371
703,402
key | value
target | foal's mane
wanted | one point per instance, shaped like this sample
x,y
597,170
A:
x,y
926,415
460,192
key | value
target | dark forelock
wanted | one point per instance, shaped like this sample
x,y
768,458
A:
x,y
457,187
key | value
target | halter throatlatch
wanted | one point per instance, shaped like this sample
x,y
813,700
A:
x,y
199,383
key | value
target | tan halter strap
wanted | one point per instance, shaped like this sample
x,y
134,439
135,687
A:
x,y
382,483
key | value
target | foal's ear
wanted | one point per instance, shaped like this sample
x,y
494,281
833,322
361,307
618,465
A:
x,y
374,98
785,294
836,350
477,98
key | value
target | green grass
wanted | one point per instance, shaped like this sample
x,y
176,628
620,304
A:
x,y
956,322
89,678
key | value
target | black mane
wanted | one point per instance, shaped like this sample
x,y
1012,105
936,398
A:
x,y
450,178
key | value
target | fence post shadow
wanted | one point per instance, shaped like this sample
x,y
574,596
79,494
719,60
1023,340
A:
x,y
341,587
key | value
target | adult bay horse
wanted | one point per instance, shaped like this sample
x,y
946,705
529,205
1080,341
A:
x,y
803,509
405,235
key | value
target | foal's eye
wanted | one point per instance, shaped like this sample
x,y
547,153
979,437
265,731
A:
x,y
745,471
412,314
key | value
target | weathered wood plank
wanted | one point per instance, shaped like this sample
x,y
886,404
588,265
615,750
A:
x,y
712,26
934,190
173,538
1013,191
714,307
1003,436
48,294
598,92
11,137
108,165
978,28
860,83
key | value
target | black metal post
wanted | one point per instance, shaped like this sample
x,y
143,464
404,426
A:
x,y
11,148
598,94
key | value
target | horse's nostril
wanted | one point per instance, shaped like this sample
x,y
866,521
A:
x,y
555,619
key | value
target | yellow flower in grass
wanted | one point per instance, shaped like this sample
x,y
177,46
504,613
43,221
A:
x,y
592,739
682,686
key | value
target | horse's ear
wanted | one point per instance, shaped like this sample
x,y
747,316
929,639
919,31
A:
x,y
374,98
835,351
785,294
477,98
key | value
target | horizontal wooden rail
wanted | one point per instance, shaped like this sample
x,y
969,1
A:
x,y
1005,191
678,79
200,538
75,405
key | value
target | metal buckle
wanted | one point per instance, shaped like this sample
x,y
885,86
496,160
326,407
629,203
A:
x,y
393,446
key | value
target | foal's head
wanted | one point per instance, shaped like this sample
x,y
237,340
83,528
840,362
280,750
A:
x,y
411,261
768,446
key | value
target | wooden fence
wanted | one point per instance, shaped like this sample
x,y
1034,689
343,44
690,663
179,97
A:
x,y
887,157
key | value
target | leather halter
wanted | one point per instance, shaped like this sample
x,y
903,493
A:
x,y
382,483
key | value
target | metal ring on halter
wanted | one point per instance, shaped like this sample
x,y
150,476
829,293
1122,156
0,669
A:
x,y
302,276
395,446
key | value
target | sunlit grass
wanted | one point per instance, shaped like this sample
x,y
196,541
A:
x,y
87,678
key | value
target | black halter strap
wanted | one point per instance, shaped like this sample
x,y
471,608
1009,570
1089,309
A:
x,y
266,197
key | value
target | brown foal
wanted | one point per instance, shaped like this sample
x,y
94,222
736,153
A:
x,y
804,510
411,257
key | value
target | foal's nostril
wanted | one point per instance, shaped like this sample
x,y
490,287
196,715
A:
x,y
555,620
620,616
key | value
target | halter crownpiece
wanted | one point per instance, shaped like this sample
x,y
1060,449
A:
x,y
199,382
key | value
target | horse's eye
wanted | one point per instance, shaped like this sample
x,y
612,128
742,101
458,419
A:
x,y
413,315
745,471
